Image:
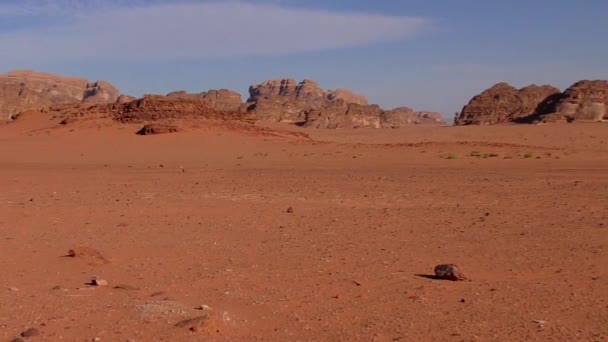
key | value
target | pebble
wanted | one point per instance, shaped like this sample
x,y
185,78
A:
x,y
99,282
289,210
189,323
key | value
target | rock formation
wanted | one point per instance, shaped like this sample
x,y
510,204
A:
x,y
583,101
404,116
24,90
155,128
502,103
308,105
125,99
156,107
347,96
222,99
340,114
149,109
285,100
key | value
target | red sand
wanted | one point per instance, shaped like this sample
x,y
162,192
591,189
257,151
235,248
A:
x,y
200,218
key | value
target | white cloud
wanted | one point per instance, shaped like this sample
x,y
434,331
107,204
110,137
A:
x,y
136,30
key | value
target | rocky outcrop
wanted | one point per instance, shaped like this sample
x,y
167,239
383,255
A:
x,y
23,90
340,114
583,101
125,99
404,116
308,105
351,115
155,128
502,103
346,95
100,92
156,107
149,109
285,100
221,99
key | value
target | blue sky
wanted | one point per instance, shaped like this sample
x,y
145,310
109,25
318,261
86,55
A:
x,y
429,55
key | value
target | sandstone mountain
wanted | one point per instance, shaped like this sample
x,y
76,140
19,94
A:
x,y
583,101
125,99
285,100
340,114
502,103
308,105
23,90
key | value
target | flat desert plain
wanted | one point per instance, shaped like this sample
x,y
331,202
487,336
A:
x,y
213,234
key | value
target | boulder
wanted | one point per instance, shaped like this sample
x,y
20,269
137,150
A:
x,y
23,90
449,272
503,103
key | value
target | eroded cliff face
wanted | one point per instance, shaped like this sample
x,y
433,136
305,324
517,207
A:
x,y
220,99
148,109
23,90
285,100
308,105
583,101
503,103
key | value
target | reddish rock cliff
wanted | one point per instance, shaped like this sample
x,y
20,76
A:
x,y
583,101
222,99
306,104
502,103
22,90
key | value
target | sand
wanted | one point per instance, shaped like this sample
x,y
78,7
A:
x,y
196,224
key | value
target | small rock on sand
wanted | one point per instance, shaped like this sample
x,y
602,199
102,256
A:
x,y
88,253
31,332
99,282
449,272
192,322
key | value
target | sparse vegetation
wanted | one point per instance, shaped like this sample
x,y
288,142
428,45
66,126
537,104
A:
x,y
450,156
528,155
478,154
